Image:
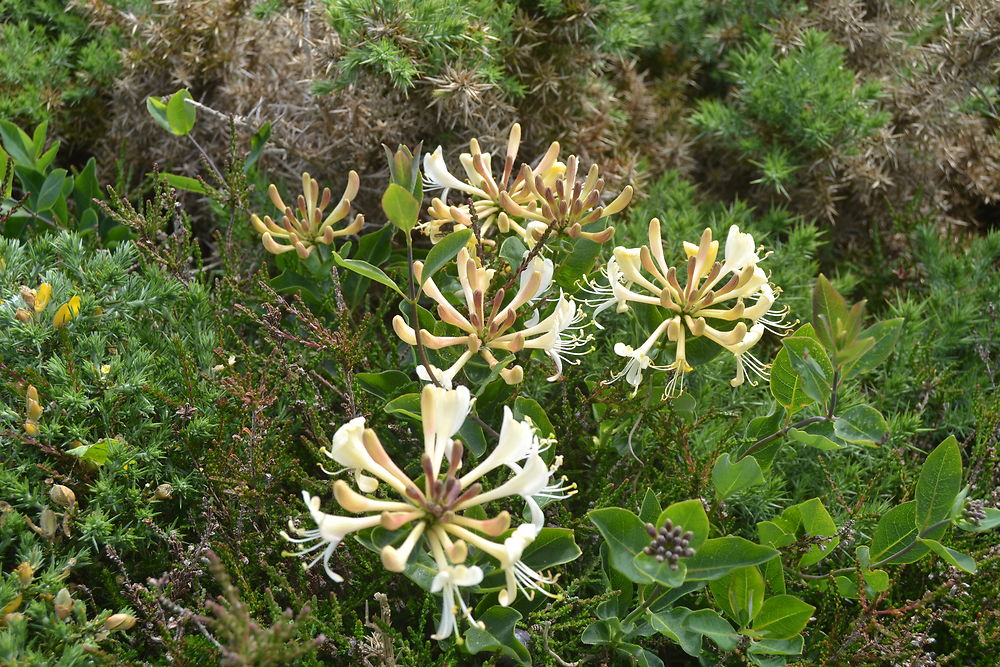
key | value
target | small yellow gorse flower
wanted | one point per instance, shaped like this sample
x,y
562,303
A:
x,y
304,227
488,322
526,201
433,512
735,290
36,300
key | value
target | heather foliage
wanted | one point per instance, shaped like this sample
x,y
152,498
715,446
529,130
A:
x,y
667,335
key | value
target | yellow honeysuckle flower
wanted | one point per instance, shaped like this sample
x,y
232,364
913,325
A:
x,y
735,293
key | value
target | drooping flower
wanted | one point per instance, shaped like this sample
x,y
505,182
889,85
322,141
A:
x,y
488,323
526,201
734,294
302,228
433,515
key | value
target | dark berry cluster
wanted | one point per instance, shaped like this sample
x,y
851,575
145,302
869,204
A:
x,y
975,512
670,543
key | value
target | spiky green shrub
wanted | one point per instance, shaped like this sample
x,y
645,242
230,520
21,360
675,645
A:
x,y
791,109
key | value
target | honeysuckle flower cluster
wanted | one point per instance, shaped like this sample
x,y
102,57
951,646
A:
x,y
304,227
526,201
487,325
433,512
728,302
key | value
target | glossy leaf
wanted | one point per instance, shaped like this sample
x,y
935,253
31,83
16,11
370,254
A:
x,y
497,635
939,482
180,114
707,622
739,594
861,424
401,207
782,617
626,537
895,532
721,555
730,477
786,386
962,561
365,269
443,252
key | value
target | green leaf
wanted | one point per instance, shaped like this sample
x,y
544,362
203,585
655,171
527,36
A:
x,y
885,335
671,624
18,144
815,440
814,381
401,207
512,251
815,520
498,635
365,269
443,252
604,631
689,515
782,617
387,384
939,482
407,405
650,510
828,307
96,453
786,386
896,531
739,594
952,557
577,263
861,424
551,547
180,114
660,572
877,579
529,407
257,143
793,646
472,435
730,478
991,521
50,191
708,622
719,556
626,536
185,183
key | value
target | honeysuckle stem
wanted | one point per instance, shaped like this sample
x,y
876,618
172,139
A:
x,y
828,417
883,561
755,447
421,352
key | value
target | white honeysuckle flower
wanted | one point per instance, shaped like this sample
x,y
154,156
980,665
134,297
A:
x,y
545,268
489,321
735,291
528,200
443,411
437,176
329,532
638,358
432,516
447,582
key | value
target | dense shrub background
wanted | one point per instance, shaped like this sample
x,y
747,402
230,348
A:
x,y
857,139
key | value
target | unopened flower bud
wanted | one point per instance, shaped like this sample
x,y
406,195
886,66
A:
x,y
28,296
63,603
164,492
49,523
25,573
62,496
119,622
33,407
